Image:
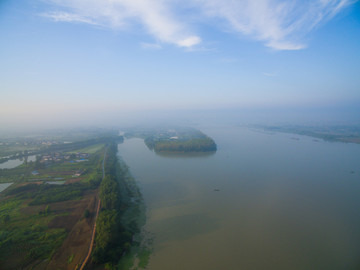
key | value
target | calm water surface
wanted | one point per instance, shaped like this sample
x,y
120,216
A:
x,y
13,163
4,186
10,164
282,203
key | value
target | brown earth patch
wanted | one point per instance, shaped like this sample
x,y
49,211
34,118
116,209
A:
x,y
61,173
12,262
74,180
77,242
66,222
31,210
29,183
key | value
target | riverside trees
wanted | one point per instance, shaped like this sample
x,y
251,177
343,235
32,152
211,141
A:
x,y
112,239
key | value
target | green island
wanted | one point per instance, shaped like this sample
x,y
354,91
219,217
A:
x,y
334,133
175,140
50,204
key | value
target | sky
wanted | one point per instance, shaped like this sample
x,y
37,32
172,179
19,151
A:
x,y
76,60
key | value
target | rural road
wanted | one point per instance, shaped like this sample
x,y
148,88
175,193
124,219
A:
x,y
94,229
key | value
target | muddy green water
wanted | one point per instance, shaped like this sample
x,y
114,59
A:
x,y
282,203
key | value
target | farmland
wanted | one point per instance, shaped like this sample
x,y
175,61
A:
x,y
38,218
47,215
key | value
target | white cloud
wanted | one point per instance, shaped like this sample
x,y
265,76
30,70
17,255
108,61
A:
x,y
155,16
189,41
279,24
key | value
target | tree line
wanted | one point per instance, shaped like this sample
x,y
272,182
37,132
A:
x,y
205,144
112,239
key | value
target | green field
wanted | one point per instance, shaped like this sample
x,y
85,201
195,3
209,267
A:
x,y
89,150
26,229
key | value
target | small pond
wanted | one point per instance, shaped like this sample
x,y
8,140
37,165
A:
x,y
4,186
13,163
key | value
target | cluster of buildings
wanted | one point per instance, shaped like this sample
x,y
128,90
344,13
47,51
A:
x,y
58,156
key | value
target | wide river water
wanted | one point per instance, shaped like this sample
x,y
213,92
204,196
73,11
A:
x,y
263,201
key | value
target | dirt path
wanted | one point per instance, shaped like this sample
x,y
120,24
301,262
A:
x,y
94,229
92,238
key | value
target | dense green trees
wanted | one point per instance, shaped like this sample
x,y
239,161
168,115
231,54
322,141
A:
x,y
110,193
95,180
111,240
204,144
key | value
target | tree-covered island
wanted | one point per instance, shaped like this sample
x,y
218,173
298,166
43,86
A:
x,y
176,140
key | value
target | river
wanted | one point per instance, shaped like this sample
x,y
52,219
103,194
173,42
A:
x,y
263,201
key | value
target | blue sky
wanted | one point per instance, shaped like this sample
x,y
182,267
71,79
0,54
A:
x,y
72,57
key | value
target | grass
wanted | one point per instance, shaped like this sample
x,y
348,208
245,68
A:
x,y
71,258
26,232
144,257
89,150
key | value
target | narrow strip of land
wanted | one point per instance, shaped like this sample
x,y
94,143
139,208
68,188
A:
x,y
96,216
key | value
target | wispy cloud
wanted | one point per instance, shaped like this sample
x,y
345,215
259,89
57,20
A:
x,y
68,17
150,46
279,24
156,17
282,25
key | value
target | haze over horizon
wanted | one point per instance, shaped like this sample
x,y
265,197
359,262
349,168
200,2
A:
x,y
99,62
